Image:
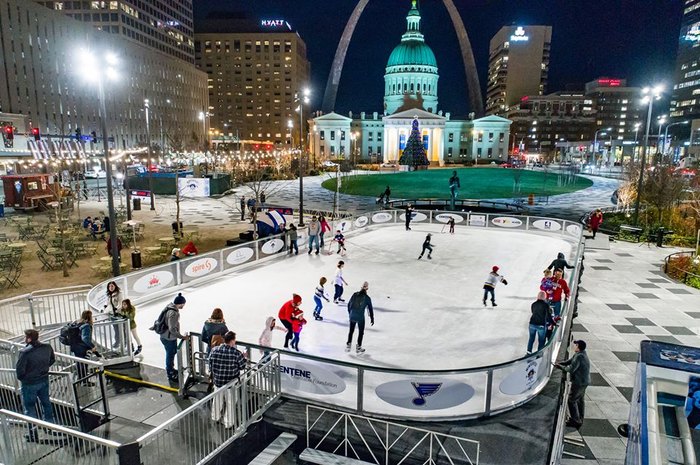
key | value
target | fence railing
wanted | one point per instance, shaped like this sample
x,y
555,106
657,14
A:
x,y
383,442
678,272
460,204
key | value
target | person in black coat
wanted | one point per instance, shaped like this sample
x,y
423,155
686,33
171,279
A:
x,y
409,216
559,262
428,247
539,321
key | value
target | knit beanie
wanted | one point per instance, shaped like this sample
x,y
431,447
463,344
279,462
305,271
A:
x,y
296,298
179,300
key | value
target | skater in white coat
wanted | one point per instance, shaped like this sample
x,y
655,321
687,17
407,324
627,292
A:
x,y
490,285
339,282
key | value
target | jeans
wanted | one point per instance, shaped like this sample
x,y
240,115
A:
x,y
319,305
170,352
360,330
288,326
321,237
556,307
338,292
576,403
293,246
540,332
295,341
312,240
37,391
242,212
80,351
489,290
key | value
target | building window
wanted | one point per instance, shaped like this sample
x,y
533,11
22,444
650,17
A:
x,y
370,136
323,150
480,137
501,137
332,151
490,137
451,137
369,151
490,152
500,153
379,136
323,135
379,150
449,151
342,135
478,152
332,135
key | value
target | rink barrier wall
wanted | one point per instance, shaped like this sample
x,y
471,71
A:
x,y
433,395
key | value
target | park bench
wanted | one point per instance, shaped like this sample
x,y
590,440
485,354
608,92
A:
x,y
274,450
326,458
633,230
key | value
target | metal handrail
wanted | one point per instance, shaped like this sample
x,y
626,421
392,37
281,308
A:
x,y
667,264
398,203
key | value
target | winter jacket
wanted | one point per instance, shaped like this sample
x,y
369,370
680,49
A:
x,y
285,312
212,327
297,320
559,263
314,228
85,342
266,336
547,285
130,313
172,317
596,221
34,362
356,307
492,279
540,313
579,367
114,302
293,235
325,227
559,287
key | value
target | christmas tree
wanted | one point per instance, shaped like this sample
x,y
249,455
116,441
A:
x,y
414,153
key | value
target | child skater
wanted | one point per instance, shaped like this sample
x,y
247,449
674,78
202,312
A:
x,y
451,223
265,339
298,322
547,284
339,282
490,285
427,246
340,239
319,294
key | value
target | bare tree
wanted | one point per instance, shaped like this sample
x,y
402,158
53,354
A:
x,y
627,192
61,194
662,189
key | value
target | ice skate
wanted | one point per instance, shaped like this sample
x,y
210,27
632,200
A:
x,y
493,303
420,256
429,257
484,302
348,346
360,350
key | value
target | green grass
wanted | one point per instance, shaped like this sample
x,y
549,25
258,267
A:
x,y
477,183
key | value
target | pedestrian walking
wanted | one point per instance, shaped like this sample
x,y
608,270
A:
x,y
386,195
285,317
298,322
409,216
340,239
595,221
265,338
293,237
338,283
225,364
451,224
320,293
314,231
214,329
83,345
539,320
490,285
170,318
428,247
579,369
242,206
559,287
128,311
325,227
33,364
356,312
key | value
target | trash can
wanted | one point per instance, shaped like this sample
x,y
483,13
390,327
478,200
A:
x,y
660,233
136,259
137,204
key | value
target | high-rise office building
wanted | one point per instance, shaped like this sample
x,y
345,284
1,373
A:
x,y
518,66
686,90
616,106
255,70
164,25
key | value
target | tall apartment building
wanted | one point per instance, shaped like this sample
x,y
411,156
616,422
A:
x,y
616,106
39,58
255,70
163,25
685,103
518,66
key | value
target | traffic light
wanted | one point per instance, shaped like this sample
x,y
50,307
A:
x,y
78,134
36,134
9,133
94,137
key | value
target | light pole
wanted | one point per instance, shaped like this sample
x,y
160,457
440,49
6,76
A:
x,y
595,139
301,98
663,151
147,107
99,67
636,139
203,116
650,94
661,120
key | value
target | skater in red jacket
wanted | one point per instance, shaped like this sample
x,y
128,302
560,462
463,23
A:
x,y
285,316
298,321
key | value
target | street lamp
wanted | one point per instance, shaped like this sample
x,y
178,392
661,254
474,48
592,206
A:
x,y
636,139
663,150
650,94
147,107
98,67
660,120
203,117
301,99
595,139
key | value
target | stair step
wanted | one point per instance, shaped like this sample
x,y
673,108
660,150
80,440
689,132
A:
x,y
274,450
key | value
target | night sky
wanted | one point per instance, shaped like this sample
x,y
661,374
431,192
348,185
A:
x,y
633,39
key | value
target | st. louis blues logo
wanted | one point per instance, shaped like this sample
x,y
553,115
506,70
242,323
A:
x,y
424,390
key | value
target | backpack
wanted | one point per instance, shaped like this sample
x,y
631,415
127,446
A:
x,y
70,334
160,326
216,340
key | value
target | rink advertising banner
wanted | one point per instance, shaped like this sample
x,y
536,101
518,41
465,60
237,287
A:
x,y
415,216
361,222
239,256
573,229
546,225
344,226
477,220
193,187
152,281
445,217
425,393
272,246
523,377
507,222
309,377
201,267
382,217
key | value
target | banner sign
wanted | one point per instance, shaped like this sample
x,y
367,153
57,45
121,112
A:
x,y
428,394
193,187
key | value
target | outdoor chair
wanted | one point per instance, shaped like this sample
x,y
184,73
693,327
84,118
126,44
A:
x,y
48,263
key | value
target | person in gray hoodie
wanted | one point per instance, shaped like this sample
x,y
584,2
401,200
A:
x,y
314,231
579,369
172,334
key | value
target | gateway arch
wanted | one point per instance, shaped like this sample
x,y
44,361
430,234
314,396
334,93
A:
x,y
475,99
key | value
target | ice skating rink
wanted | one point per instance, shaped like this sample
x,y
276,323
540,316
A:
x,y
428,313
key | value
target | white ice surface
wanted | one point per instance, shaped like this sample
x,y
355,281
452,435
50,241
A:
x,y
428,313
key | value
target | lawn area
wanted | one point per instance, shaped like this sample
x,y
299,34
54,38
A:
x,y
477,183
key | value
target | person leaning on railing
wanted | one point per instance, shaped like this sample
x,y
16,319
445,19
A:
x,y
82,347
32,370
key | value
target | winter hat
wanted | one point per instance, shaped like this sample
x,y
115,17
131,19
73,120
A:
x,y
495,268
560,255
180,299
296,298
429,234
175,250
581,344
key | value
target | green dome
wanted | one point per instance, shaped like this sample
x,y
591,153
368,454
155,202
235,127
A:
x,y
412,52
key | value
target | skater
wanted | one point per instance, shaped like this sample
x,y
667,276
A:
x,y
340,239
409,216
559,262
454,185
490,285
129,311
325,227
242,207
314,230
595,221
451,224
386,196
339,281
298,321
293,237
356,311
547,284
539,321
265,339
320,293
171,333
560,287
428,247
285,316
262,199
113,306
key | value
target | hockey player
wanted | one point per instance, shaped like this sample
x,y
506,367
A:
x,y
339,282
427,246
340,239
490,285
320,293
451,224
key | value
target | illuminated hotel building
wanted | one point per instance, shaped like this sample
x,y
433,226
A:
x,y
254,69
686,91
518,66
615,106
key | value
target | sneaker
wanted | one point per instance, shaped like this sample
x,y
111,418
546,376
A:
x,y
138,350
309,252
360,350
317,251
348,346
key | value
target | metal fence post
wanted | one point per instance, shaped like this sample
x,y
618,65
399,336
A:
x,y
6,454
489,389
129,454
31,311
360,389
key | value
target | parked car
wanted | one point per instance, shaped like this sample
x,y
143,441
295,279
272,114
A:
x,y
95,174
328,164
